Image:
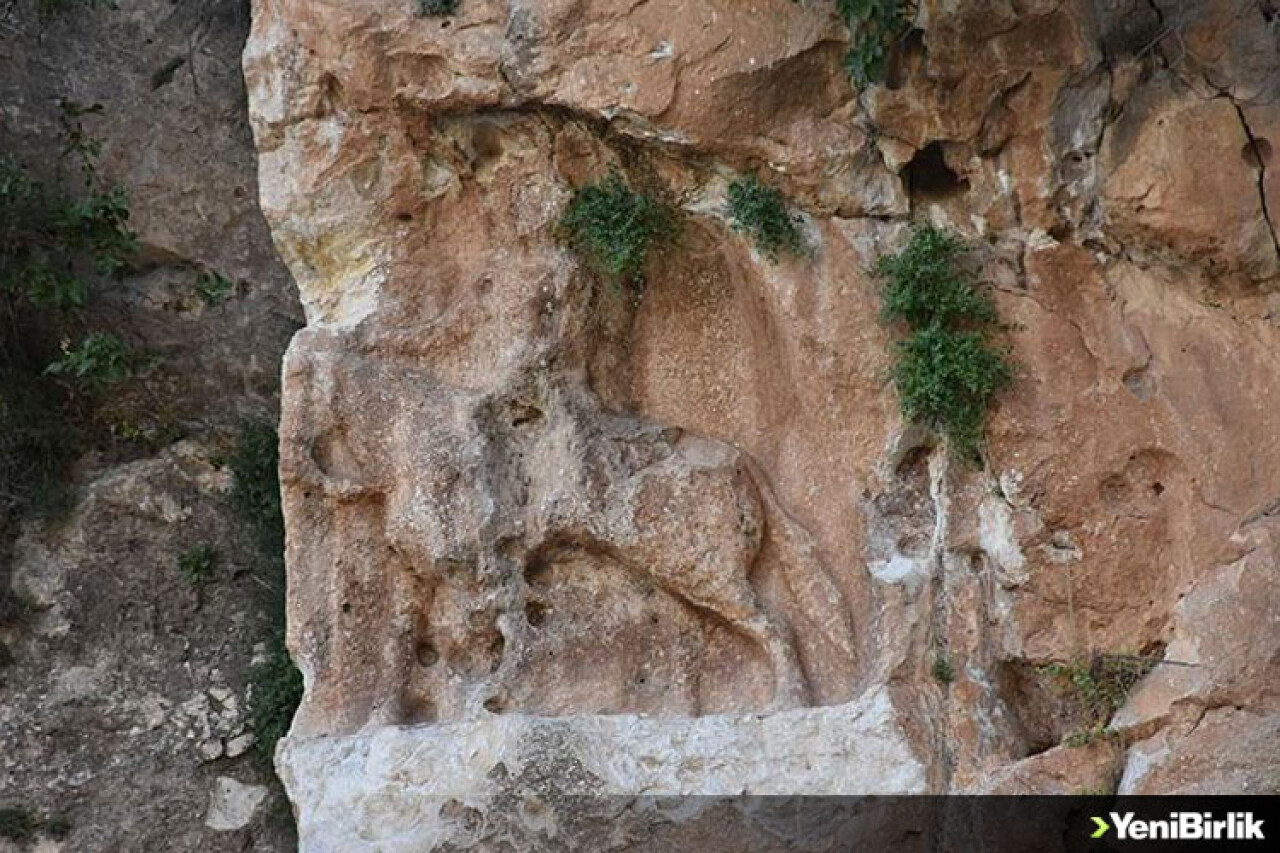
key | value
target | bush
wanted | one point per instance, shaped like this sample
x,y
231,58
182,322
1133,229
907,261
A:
x,y
18,825
873,27
614,228
945,379
100,360
255,491
947,370
1099,685
925,284
943,670
21,825
761,212
275,683
214,288
197,564
437,8
56,241
276,693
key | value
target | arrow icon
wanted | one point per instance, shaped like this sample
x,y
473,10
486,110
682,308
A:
x,y
1103,826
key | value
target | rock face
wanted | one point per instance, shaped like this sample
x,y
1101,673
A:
x,y
124,706
522,503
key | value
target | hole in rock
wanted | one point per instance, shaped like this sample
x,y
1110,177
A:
x,y
496,650
1037,713
418,711
929,177
524,413
535,612
427,654
1158,489
914,464
495,705
486,142
1138,382
1257,152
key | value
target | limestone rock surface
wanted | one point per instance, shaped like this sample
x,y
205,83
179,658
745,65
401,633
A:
x,y
522,502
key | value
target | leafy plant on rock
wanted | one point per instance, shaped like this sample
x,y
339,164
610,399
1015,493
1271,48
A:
x,y
948,369
613,228
197,564
437,8
873,27
62,231
944,671
275,683
255,490
276,691
100,360
761,212
1097,686
214,288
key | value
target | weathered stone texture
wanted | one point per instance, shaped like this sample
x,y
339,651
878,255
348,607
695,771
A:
x,y
515,494
125,699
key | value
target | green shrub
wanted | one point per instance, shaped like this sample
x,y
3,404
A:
x,y
21,825
946,378
100,360
57,827
214,288
1096,687
947,370
437,8
59,235
614,228
276,684
276,692
1099,685
1087,735
925,283
873,27
197,564
255,491
53,243
943,670
761,212
18,824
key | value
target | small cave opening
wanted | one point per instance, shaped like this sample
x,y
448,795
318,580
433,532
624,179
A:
x,y
497,650
426,654
535,613
1257,152
929,178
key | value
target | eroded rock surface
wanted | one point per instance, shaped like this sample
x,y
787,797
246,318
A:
x,y
123,687
515,493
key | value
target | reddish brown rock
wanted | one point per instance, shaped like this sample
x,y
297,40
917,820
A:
x,y
514,491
